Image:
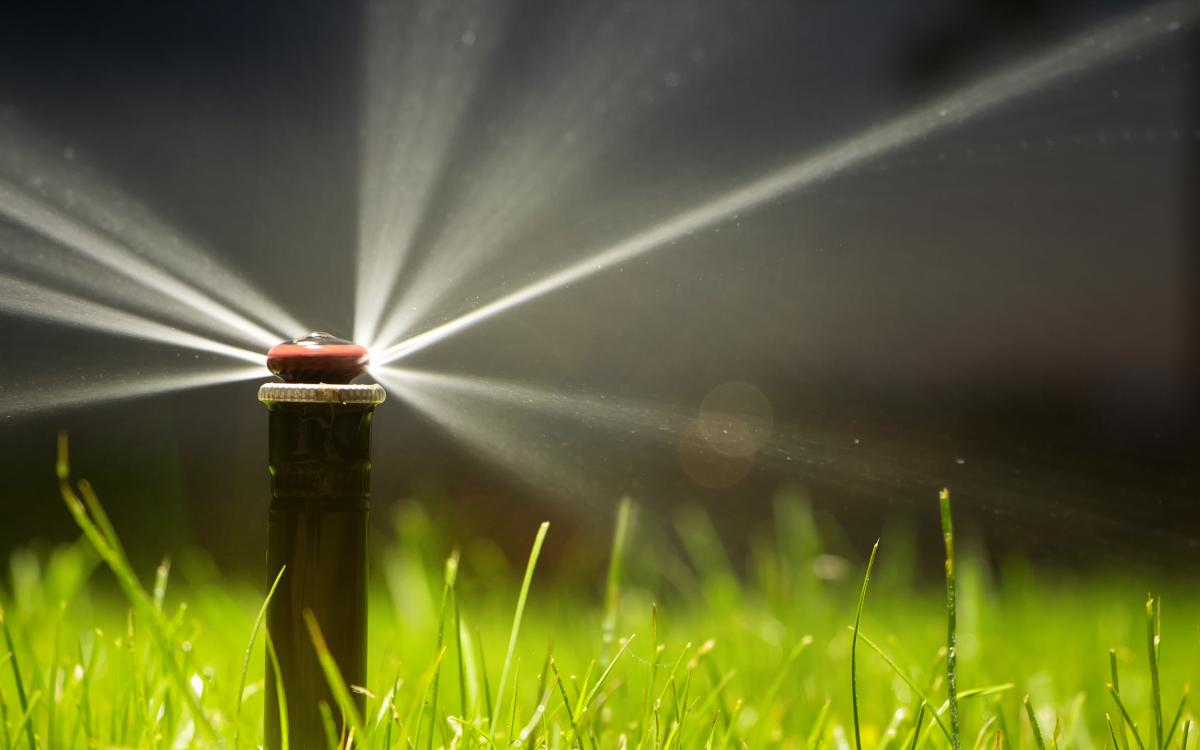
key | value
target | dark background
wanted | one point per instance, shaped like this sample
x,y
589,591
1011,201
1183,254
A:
x,y
1010,307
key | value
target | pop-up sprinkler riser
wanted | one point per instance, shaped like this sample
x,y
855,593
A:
x,y
320,467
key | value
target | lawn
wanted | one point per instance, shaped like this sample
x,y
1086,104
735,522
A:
x,y
677,646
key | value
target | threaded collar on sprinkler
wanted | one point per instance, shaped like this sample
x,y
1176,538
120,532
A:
x,y
318,368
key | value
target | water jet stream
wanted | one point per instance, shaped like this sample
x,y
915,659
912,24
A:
x,y
1073,56
30,300
595,83
44,396
617,413
63,179
52,223
409,123
856,457
494,438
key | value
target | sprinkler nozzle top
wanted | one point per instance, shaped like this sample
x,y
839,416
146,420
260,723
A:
x,y
317,358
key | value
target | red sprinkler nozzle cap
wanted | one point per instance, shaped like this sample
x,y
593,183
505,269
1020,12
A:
x,y
317,358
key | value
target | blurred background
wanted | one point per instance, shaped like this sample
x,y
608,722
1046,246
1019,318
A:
x,y
1010,306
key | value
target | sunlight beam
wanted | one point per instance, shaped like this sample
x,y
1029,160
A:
x,y
1071,57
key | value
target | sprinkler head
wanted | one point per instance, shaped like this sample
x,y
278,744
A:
x,y
317,358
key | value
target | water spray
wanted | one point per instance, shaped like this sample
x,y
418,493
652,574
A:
x,y
1094,47
320,466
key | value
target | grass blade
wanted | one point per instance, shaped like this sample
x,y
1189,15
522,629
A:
x,y
103,538
1152,640
616,567
516,624
332,742
908,680
574,739
1033,724
487,688
1178,715
451,576
862,598
258,620
1137,737
462,659
1111,732
595,690
26,722
1116,686
333,676
280,690
817,735
22,699
951,618
917,726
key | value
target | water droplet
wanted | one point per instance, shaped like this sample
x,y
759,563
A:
x,y
468,37
960,460
672,79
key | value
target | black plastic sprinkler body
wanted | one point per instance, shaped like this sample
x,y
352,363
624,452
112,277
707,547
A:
x,y
320,466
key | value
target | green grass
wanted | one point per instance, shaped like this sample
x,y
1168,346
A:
x,y
672,649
